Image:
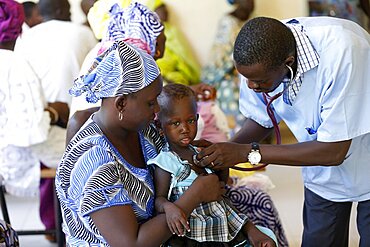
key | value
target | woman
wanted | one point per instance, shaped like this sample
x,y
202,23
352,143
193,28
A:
x,y
104,186
178,65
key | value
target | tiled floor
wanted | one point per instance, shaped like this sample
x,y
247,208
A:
x,y
287,196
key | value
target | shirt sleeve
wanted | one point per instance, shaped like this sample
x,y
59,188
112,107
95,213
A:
x,y
166,161
103,181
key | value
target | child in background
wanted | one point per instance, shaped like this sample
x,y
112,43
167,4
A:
x,y
210,224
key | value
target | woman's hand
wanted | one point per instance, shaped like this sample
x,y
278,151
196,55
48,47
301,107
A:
x,y
63,113
176,219
223,155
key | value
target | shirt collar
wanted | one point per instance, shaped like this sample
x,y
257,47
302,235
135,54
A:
x,y
307,58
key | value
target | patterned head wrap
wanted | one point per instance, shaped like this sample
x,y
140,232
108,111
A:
x,y
11,20
122,69
136,25
98,15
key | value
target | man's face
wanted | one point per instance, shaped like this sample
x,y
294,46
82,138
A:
x,y
261,79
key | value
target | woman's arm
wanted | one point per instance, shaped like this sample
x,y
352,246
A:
x,y
119,226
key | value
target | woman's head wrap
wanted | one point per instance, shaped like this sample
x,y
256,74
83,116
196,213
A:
x,y
122,69
98,15
11,20
136,25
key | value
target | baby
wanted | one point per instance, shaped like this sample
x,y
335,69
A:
x,y
210,224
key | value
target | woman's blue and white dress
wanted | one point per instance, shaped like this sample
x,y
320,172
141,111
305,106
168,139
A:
x,y
93,175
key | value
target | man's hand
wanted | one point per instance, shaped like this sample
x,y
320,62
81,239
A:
x,y
222,155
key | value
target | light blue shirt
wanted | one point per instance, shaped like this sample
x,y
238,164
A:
x,y
333,104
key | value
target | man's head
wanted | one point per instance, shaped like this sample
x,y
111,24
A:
x,y
263,49
32,13
55,10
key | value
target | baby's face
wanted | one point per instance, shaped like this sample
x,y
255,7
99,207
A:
x,y
180,122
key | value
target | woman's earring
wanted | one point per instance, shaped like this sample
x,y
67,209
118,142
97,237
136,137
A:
x,y
157,53
120,116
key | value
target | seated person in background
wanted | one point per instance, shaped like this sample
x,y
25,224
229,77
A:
x,y
178,64
104,185
85,7
210,224
30,130
354,10
32,14
220,71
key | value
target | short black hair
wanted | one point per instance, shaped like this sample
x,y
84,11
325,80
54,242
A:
x,y
28,6
263,40
173,91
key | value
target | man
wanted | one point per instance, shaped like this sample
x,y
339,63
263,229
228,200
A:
x,y
32,14
56,49
313,73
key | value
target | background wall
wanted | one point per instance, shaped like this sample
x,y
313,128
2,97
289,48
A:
x,y
198,19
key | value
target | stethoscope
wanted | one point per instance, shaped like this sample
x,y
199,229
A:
x,y
269,99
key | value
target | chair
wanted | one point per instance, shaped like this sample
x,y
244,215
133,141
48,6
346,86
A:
x,y
45,173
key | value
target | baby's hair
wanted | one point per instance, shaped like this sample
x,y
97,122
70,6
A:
x,y
173,92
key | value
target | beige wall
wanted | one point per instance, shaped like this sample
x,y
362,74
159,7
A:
x,y
197,19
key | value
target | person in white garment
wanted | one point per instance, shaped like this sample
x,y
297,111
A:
x,y
29,131
312,73
56,49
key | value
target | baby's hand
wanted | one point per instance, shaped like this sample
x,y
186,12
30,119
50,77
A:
x,y
176,219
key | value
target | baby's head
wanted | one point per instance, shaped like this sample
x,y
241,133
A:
x,y
178,114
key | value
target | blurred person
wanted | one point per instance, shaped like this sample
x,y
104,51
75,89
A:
x,y
178,64
86,5
219,70
354,10
55,49
30,131
32,14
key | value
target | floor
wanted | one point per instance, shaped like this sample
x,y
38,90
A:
x,y
287,196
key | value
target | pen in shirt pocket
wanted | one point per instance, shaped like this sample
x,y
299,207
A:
x,y
311,130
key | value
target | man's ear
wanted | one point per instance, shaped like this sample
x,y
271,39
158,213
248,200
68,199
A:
x,y
289,61
121,102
